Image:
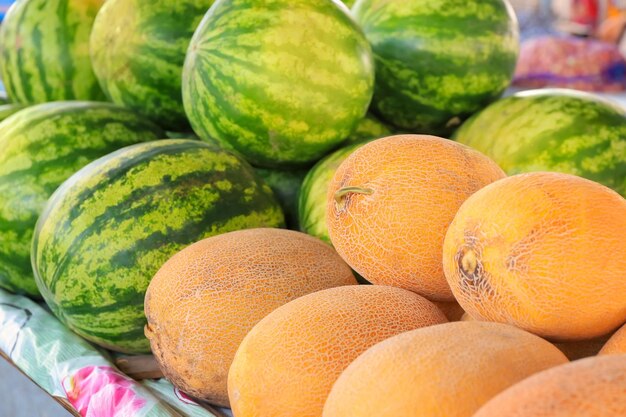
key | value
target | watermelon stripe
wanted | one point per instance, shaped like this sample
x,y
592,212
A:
x,y
553,130
140,200
279,87
108,229
437,61
138,49
45,53
41,147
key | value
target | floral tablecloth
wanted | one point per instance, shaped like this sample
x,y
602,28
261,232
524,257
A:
x,y
79,375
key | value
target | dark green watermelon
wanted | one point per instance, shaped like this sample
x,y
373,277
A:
x,y
282,82
368,128
285,185
138,49
40,147
108,229
438,61
553,130
45,51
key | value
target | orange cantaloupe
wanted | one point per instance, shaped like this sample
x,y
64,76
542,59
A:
x,y
452,309
391,201
448,370
289,361
576,349
205,299
592,387
616,344
543,251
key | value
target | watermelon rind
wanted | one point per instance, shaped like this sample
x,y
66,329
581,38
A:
x,y
108,229
40,147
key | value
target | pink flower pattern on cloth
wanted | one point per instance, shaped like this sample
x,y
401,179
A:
x,y
101,391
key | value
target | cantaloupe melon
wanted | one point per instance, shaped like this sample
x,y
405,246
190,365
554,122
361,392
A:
x,y
391,201
206,298
542,251
448,370
592,387
289,361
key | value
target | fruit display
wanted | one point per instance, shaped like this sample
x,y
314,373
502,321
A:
x,y
44,51
108,229
138,49
288,362
281,95
471,361
388,219
529,251
438,61
42,146
553,130
274,266
305,208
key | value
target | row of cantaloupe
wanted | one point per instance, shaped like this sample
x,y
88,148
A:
x,y
424,218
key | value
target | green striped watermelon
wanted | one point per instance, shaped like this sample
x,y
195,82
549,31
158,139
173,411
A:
x,y
438,61
285,185
280,81
45,51
368,128
313,193
40,147
7,110
108,229
553,130
138,49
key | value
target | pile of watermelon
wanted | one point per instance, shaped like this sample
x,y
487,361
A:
x,y
135,128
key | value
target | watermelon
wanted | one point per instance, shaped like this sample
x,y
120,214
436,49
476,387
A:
x,y
368,128
285,185
45,51
40,147
7,110
438,61
138,49
108,229
313,193
282,82
553,130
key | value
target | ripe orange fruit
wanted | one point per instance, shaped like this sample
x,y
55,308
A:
x,y
576,349
579,349
448,370
616,344
592,387
205,299
390,204
452,310
289,361
542,251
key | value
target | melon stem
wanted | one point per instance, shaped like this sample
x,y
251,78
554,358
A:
x,y
341,193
